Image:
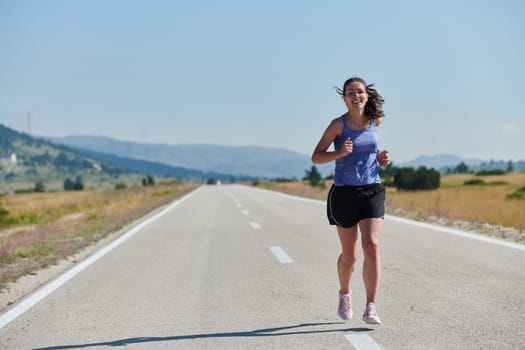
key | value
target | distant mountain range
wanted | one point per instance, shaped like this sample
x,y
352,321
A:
x,y
252,161
25,159
145,167
38,158
435,161
444,162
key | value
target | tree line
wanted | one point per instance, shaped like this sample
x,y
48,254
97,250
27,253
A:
x,y
490,169
405,178
78,185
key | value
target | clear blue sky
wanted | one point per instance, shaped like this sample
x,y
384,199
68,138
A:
x,y
262,73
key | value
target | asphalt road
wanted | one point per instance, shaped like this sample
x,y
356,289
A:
x,y
233,267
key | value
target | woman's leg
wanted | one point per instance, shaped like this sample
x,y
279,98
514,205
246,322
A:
x,y
348,256
370,232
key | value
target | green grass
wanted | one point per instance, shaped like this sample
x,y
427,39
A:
x,y
519,194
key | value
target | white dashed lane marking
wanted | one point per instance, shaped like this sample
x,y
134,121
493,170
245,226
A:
x,y
255,225
362,341
281,255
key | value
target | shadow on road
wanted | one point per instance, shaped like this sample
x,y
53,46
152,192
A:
x,y
265,332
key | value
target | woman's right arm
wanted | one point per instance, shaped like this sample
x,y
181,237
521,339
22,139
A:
x,y
321,153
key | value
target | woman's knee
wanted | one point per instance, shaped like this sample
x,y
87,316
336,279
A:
x,y
347,259
371,250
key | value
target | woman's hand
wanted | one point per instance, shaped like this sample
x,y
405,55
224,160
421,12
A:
x,y
346,148
382,158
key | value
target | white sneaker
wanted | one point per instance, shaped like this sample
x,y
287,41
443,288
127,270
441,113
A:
x,y
370,316
345,306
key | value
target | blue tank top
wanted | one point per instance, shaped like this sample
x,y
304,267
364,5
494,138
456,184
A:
x,y
358,168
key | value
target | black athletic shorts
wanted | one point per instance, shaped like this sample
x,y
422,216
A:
x,y
346,205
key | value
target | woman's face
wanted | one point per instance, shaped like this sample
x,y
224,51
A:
x,y
355,96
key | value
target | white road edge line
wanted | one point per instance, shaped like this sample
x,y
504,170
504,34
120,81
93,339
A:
x,y
362,341
49,288
245,212
456,232
474,236
281,255
255,225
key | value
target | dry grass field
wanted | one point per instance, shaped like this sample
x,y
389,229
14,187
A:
x,y
452,201
483,203
43,228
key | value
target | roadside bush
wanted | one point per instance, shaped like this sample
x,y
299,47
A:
x,y
421,179
120,186
39,187
285,179
150,181
3,212
498,183
313,176
519,194
70,185
79,186
491,172
24,190
171,182
474,182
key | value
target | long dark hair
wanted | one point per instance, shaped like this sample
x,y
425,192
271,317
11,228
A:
x,y
374,105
